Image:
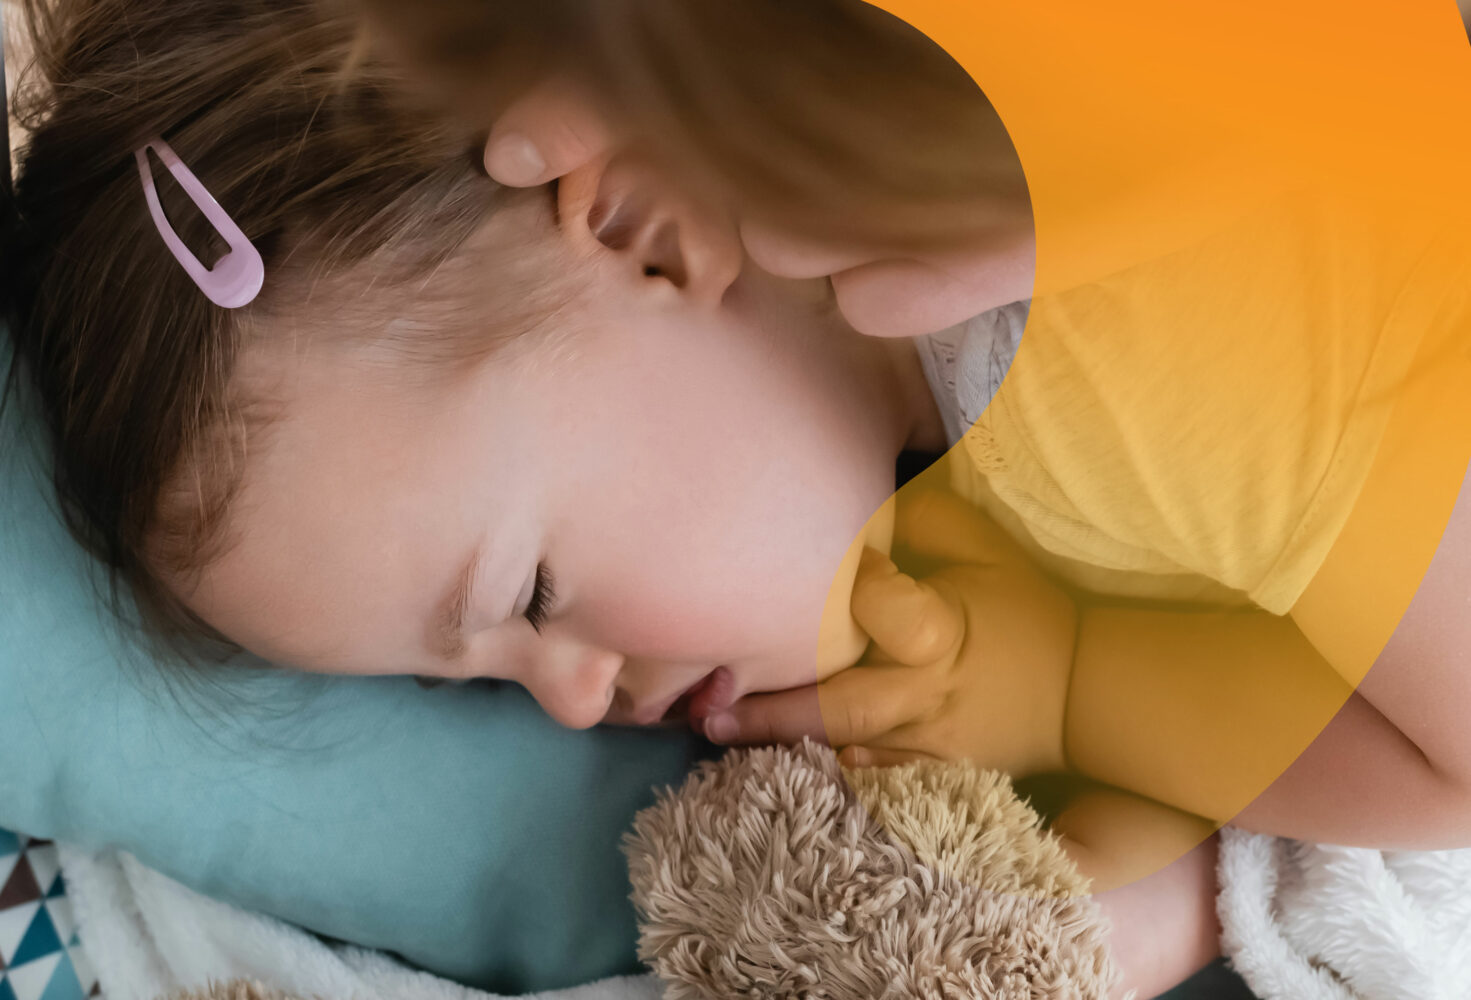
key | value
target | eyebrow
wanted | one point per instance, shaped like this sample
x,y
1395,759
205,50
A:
x,y
449,626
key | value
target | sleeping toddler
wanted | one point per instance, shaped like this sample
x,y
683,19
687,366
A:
x,y
320,389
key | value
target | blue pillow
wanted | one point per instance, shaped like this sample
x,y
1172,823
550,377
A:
x,y
457,827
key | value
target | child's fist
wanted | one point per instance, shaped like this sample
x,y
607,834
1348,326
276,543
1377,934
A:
x,y
969,661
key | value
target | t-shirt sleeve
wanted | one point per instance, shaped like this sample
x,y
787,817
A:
x,y
1215,412
1377,560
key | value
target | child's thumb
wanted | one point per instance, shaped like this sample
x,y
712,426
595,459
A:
x,y
909,620
550,131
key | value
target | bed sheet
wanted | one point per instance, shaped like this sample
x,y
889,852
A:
x,y
41,957
156,937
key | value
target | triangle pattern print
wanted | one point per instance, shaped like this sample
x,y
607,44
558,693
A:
x,y
41,957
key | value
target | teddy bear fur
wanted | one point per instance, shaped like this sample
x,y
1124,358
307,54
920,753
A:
x,y
775,873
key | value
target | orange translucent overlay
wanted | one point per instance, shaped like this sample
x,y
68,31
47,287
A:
x,y
1146,127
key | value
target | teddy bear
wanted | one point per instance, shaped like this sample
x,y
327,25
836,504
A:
x,y
777,873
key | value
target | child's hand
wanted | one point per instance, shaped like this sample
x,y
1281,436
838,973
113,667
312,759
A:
x,y
885,288
969,662
1118,838
553,129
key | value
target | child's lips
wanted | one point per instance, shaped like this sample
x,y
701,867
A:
x,y
714,694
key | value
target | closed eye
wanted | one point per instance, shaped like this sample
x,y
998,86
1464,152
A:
x,y
542,598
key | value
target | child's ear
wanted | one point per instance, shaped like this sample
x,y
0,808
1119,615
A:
x,y
654,234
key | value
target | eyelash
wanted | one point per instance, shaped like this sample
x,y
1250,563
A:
x,y
542,598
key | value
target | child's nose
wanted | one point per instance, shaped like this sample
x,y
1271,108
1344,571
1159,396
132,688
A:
x,y
574,682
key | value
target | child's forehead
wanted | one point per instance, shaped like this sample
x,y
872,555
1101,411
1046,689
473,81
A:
x,y
351,478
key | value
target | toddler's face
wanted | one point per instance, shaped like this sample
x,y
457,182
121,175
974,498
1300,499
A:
x,y
667,484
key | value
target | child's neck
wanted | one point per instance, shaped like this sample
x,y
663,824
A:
x,y
924,430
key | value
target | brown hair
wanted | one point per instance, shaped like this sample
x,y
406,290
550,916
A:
x,y
306,141
311,140
829,114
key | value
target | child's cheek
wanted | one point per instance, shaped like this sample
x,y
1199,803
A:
x,y
653,619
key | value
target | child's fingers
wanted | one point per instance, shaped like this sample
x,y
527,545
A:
x,y
908,619
547,133
884,290
760,719
859,705
864,703
938,524
787,254
860,756
901,296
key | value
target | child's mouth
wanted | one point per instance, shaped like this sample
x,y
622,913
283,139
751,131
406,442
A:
x,y
712,693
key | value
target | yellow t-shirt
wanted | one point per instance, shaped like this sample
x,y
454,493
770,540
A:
x,y
1198,428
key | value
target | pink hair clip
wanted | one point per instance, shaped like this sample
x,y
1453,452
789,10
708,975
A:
x,y
236,278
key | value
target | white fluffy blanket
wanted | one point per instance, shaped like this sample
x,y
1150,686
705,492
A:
x,y
147,936
1300,922
1317,922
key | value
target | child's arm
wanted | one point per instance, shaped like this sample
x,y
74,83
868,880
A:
x,y
1154,876
1203,711
1207,712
